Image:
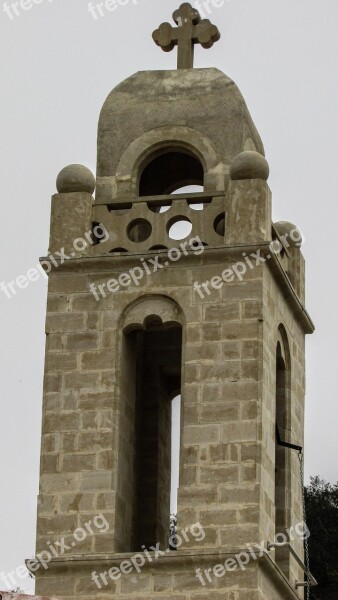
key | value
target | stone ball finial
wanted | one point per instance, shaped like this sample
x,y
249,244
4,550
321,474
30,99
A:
x,y
289,233
75,178
249,165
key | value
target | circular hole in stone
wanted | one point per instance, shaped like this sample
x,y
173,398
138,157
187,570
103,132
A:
x,y
196,206
179,228
219,224
189,189
158,248
139,230
118,250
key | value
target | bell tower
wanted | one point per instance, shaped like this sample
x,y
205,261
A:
x,y
154,294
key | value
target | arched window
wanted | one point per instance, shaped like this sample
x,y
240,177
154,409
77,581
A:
x,y
169,170
282,454
150,381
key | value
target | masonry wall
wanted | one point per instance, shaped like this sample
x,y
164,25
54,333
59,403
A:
x,y
221,423
276,312
227,457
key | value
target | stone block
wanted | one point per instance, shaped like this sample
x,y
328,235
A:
x,y
94,441
105,460
218,517
250,349
201,434
64,422
249,410
75,463
248,473
189,475
249,452
64,323
211,332
94,361
197,495
89,420
240,330
50,443
210,393
162,583
97,481
252,309
240,390
64,586
57,303
203,352
245,431
81,381
47,504
220,474
69,442
52,383
48,525
231,350
87,340
230,369
243,290
95,400
250,369
137,584
216,413
222,312
77,503
49,463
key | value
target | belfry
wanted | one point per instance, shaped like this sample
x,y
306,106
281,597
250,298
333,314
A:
x,y
161,290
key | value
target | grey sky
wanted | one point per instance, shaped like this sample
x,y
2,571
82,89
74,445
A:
x,y
57,66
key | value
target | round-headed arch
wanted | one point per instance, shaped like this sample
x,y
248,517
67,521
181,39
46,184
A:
x,y
196,150
149,311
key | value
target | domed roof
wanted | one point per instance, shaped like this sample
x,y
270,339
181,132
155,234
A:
x,y
204,100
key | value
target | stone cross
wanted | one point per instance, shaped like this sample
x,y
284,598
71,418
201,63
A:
x,y
190,31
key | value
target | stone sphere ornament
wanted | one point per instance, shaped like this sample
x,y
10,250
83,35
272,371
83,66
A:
x,y
249,165
75,178
289,233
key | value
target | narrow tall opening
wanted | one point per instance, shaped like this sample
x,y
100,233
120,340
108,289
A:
x,y
175,451
170,170
151,378
282,459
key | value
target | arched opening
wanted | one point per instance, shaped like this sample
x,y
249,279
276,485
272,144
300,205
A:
x,y
151,378
170,170
282,454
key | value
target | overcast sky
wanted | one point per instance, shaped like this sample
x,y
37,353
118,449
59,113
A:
x,y
57,66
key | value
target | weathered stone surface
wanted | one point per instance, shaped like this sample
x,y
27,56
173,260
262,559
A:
x,y
249,165
130,325
75,178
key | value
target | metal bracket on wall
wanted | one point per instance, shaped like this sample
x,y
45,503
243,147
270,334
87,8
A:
x,y
280,442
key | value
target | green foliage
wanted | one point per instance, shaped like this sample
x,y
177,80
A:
x,y
173,531
322,520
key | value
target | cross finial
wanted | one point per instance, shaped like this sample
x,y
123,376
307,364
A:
x,y
190,31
